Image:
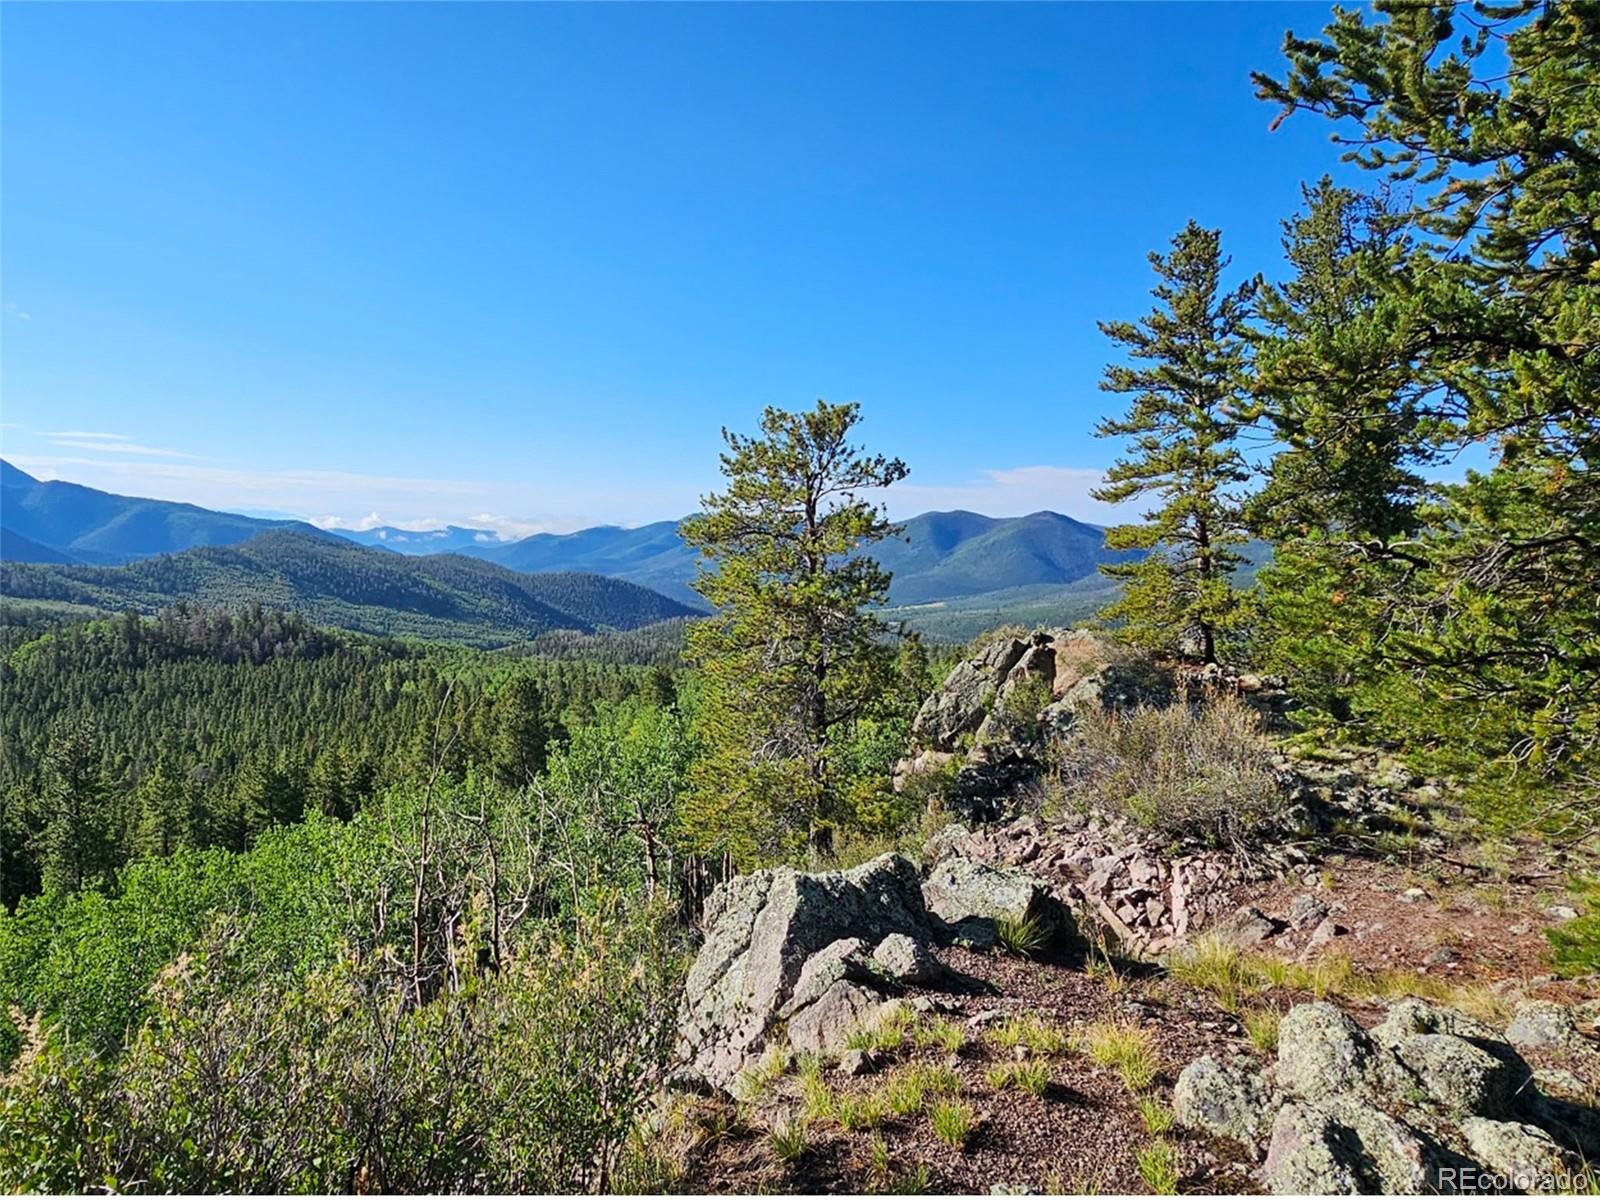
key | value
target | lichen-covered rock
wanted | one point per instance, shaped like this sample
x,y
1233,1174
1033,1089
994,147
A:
x,y
1344,1147
825,1026
761,931
1230,1100
905,959
1526,1155
1537,1024
972,896
1322,1052
1460,1077
1309,1155
1410,1016
963,700
843,959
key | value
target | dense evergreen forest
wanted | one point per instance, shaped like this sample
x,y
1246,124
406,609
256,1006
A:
x,y
131,737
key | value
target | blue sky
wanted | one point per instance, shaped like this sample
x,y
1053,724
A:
x,y
518,264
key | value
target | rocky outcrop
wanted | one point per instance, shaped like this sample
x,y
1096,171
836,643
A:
x,y
810,958
1427,1100
967,694
1123,878
996,710
786,945
971,899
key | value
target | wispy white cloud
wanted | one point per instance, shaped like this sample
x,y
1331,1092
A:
x,y
83,433
120,447
341,496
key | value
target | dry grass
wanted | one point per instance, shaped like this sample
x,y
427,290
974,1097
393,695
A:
x,y
1189,770
1234,975
1127,1047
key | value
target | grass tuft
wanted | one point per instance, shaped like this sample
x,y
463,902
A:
x,y
1157,1117
789,1139
1261,1026
904,1094
946,1035
1126,1047
1158,1167
1026,937
953,1122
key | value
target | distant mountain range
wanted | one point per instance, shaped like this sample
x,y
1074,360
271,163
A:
x,y
950,569
438,597
83,524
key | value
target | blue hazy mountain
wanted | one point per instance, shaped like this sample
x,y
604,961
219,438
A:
x,y
940,557
87,525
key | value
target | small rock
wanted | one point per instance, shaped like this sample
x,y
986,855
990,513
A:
x,y
857,1062
1561,912
1246,927
1322,936
826,1026
1541,1023
1412,895
1229,1100
905,959
1306,911
1439,957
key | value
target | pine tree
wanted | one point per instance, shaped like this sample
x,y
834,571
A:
x,y
793,650
1341,501
1189,405
1490,117
76,845
161,815
517,745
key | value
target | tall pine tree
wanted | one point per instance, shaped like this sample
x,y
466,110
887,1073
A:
x,y
793,650
1189,405
1490,116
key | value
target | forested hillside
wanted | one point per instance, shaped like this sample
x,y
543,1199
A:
x,y
333,582
200,728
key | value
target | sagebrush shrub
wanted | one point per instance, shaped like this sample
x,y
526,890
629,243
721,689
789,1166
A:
x,y
1201,770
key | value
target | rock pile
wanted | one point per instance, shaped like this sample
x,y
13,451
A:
x,y
1429,1100
1122,878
